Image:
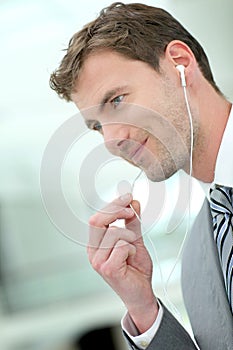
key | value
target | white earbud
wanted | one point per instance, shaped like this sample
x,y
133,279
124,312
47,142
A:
x,y
181,68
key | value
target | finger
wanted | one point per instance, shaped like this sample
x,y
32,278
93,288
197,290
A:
x,y
115,234
133,223
117,262
111,237
99,222
96,234
117,209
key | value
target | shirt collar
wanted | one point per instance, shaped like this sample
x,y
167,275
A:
x,y
224,163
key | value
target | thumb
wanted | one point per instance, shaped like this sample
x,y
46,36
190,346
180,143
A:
x,y
133,224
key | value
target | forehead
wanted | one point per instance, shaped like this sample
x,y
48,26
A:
x,y
99,72
105,71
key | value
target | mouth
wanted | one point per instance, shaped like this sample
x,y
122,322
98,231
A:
x,y
136,153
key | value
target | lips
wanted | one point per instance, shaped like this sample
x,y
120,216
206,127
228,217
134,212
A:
x,y
136,153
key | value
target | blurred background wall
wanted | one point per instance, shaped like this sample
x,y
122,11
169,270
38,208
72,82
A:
x,y
50,299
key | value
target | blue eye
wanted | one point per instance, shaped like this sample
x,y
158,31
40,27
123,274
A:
x,y
97,126
117,100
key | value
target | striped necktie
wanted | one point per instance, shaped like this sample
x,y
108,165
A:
x,y
221,204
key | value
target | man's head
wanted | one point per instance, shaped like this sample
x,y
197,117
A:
x,y
121,69
137,31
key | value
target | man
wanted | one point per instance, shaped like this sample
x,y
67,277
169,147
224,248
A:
x,y
121,70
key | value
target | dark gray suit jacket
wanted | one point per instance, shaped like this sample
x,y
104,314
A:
x,y
204,296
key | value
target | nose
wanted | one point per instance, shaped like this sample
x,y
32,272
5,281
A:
x,y
115,137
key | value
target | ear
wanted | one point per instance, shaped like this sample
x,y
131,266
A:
x,y
177,52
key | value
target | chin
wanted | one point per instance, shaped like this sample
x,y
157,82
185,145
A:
x,y
154,176
158,175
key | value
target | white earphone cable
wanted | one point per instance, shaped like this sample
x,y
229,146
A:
x,y
165,284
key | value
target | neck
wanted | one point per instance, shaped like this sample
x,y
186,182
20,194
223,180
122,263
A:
x,y
214,112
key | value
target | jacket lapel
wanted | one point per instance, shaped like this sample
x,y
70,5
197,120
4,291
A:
x,y
203,287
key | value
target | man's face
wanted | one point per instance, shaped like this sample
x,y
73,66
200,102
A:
x,y
140,113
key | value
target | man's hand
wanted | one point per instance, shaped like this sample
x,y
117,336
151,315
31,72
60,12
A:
x,y
119,255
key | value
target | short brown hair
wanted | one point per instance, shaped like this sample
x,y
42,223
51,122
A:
x,y
137,31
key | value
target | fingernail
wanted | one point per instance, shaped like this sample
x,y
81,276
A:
x,y
125,197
